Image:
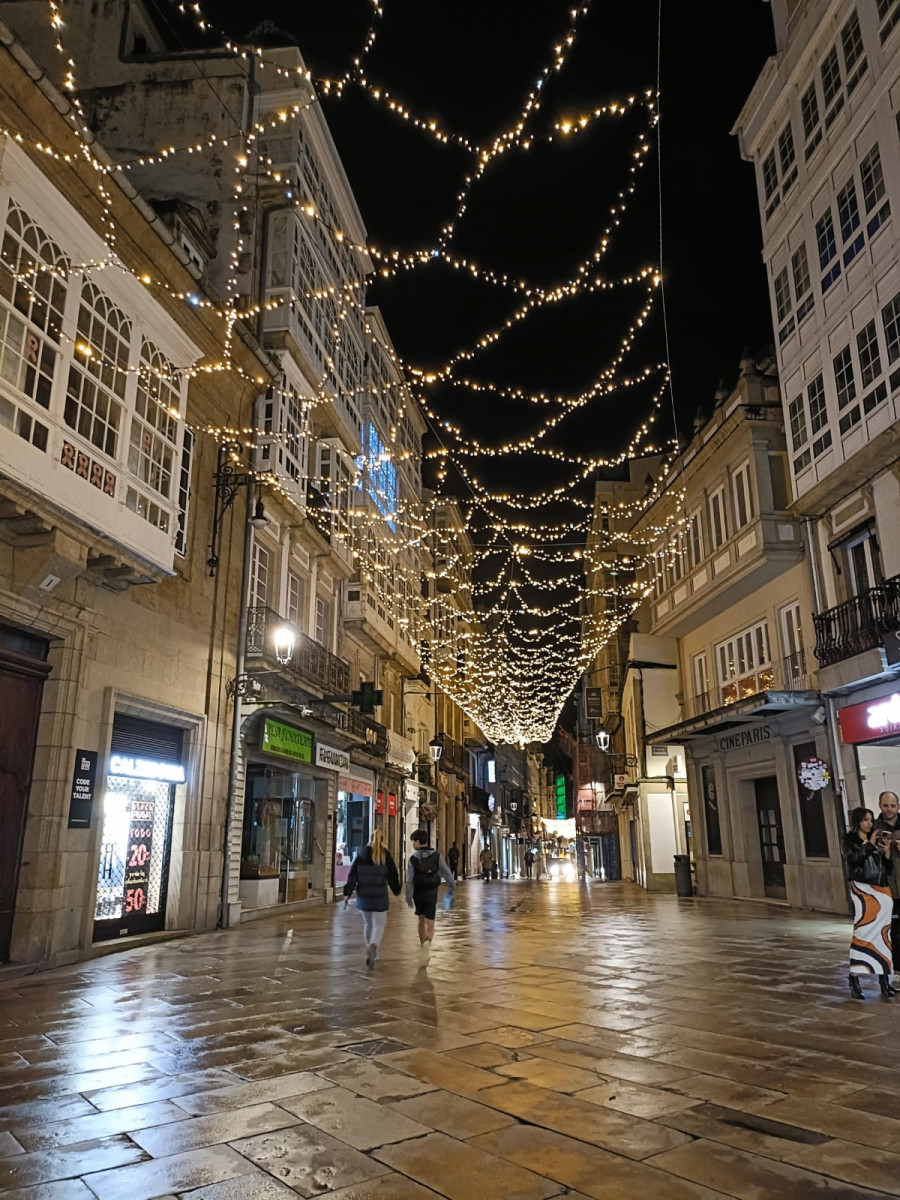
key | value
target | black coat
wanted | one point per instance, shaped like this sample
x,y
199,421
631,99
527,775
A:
x,y
856,852
371,880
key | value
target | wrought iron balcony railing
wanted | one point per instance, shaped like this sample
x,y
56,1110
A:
x,y
858,624
454,757
310,662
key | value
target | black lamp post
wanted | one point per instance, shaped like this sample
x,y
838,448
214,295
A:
x,y
228,482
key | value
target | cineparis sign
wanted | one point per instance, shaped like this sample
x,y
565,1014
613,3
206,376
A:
x,y
145,768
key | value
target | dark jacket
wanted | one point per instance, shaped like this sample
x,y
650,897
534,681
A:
x,y
894,880
371,880
856,852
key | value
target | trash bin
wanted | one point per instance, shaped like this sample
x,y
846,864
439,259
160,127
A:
x,y
684,884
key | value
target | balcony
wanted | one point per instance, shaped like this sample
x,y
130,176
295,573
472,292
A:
x,y
310,663
790,674
751,558
454,757
859,624
372,732
363,610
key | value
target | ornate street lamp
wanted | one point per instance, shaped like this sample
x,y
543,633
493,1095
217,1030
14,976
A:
x,y
285,640
436,747
602,739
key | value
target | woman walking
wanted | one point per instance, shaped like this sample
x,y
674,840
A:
x,y
867,854
372,873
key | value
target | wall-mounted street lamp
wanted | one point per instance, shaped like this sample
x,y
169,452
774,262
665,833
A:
x,y
602,739
285,640
228,482
436,748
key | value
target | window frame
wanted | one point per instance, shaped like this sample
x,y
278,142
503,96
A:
x,y
742,496
716,506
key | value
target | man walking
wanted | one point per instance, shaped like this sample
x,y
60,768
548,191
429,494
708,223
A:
x,y
529,862
453,860
424,873
889,822
487,861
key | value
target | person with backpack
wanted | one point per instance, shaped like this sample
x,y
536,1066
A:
x,y
372,873
487,860
424,873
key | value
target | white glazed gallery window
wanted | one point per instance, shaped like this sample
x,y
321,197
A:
x,y
718,525
742,495
744,664
153,440
701,680
98,375
33,287
260,576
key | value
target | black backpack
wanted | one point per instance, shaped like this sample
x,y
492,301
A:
x,y
427,870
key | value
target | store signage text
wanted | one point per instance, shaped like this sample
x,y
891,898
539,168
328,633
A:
x,y
331,758
869,721
140,851
145,768
287,741
745,737
84,777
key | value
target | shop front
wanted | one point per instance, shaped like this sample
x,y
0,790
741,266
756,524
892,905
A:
x,y
764,818
286,805
353,820
869,730
399,766
144,783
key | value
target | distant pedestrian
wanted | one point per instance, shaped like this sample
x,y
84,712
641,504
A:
x,y
487,861
529,863
539,864
424,873
453,860
372,873
495,870
889,823
867,855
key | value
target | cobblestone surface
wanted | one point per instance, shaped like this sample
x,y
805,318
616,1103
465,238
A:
x,y
563,1041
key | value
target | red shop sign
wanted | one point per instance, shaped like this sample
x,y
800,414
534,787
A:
x,y
870,721
379,802
392,804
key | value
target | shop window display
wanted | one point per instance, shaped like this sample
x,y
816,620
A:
x,y
279,833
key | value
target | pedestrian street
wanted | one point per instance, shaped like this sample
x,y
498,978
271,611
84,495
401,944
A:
x,y
565,1040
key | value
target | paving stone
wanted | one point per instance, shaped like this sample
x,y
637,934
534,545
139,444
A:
x,y
454,1115
9,1145
353,1119
595,1172
487,1055
376,1081
544,1073
751,1177
64,1162
98,1125
442,1072
241,1095
460,1171
64,1189
178,1173
164,1088
212,1130
637,1100
388,1187
308,1160
246,1187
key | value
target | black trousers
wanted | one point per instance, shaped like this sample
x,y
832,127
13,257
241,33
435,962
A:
x,y
895,936
529,867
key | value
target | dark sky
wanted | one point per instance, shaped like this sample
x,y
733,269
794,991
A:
x,y
469,64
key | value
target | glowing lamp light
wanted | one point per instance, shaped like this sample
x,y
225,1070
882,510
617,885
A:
x,y
436,748
285,640
602,739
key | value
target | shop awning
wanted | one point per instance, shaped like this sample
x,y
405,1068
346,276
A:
x,y
748,711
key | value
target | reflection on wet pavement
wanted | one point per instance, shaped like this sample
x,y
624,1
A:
x,y
564,1041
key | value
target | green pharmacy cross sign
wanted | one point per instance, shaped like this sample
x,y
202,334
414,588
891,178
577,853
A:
x,y
560,797
287,741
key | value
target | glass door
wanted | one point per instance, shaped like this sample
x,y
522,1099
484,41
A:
x,y
771,836
133,873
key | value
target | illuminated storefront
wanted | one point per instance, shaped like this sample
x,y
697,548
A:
x,y
145,771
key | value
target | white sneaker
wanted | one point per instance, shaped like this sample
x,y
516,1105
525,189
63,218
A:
x,y
425,953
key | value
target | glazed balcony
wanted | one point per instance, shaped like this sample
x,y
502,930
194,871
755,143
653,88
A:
x,y
790,674
859,624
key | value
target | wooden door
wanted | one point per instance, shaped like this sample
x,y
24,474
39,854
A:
x,y
21,685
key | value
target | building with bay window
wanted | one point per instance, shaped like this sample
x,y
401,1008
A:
x,y
115,643
826,107
720,701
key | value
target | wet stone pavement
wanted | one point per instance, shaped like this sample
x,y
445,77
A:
x,y
564,1041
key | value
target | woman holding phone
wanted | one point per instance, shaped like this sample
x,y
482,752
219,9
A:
x,y
867,854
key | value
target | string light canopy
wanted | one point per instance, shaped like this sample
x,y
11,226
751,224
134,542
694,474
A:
x,y
519,599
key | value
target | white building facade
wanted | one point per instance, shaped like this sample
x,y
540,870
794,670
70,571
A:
x,y
821,127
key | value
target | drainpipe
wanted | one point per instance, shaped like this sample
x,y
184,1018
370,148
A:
x,y
840,792
238,714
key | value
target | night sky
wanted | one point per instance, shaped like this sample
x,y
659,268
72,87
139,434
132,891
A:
x,y
469,64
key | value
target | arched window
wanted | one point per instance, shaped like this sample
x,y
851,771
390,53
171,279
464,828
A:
x,y
99,373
